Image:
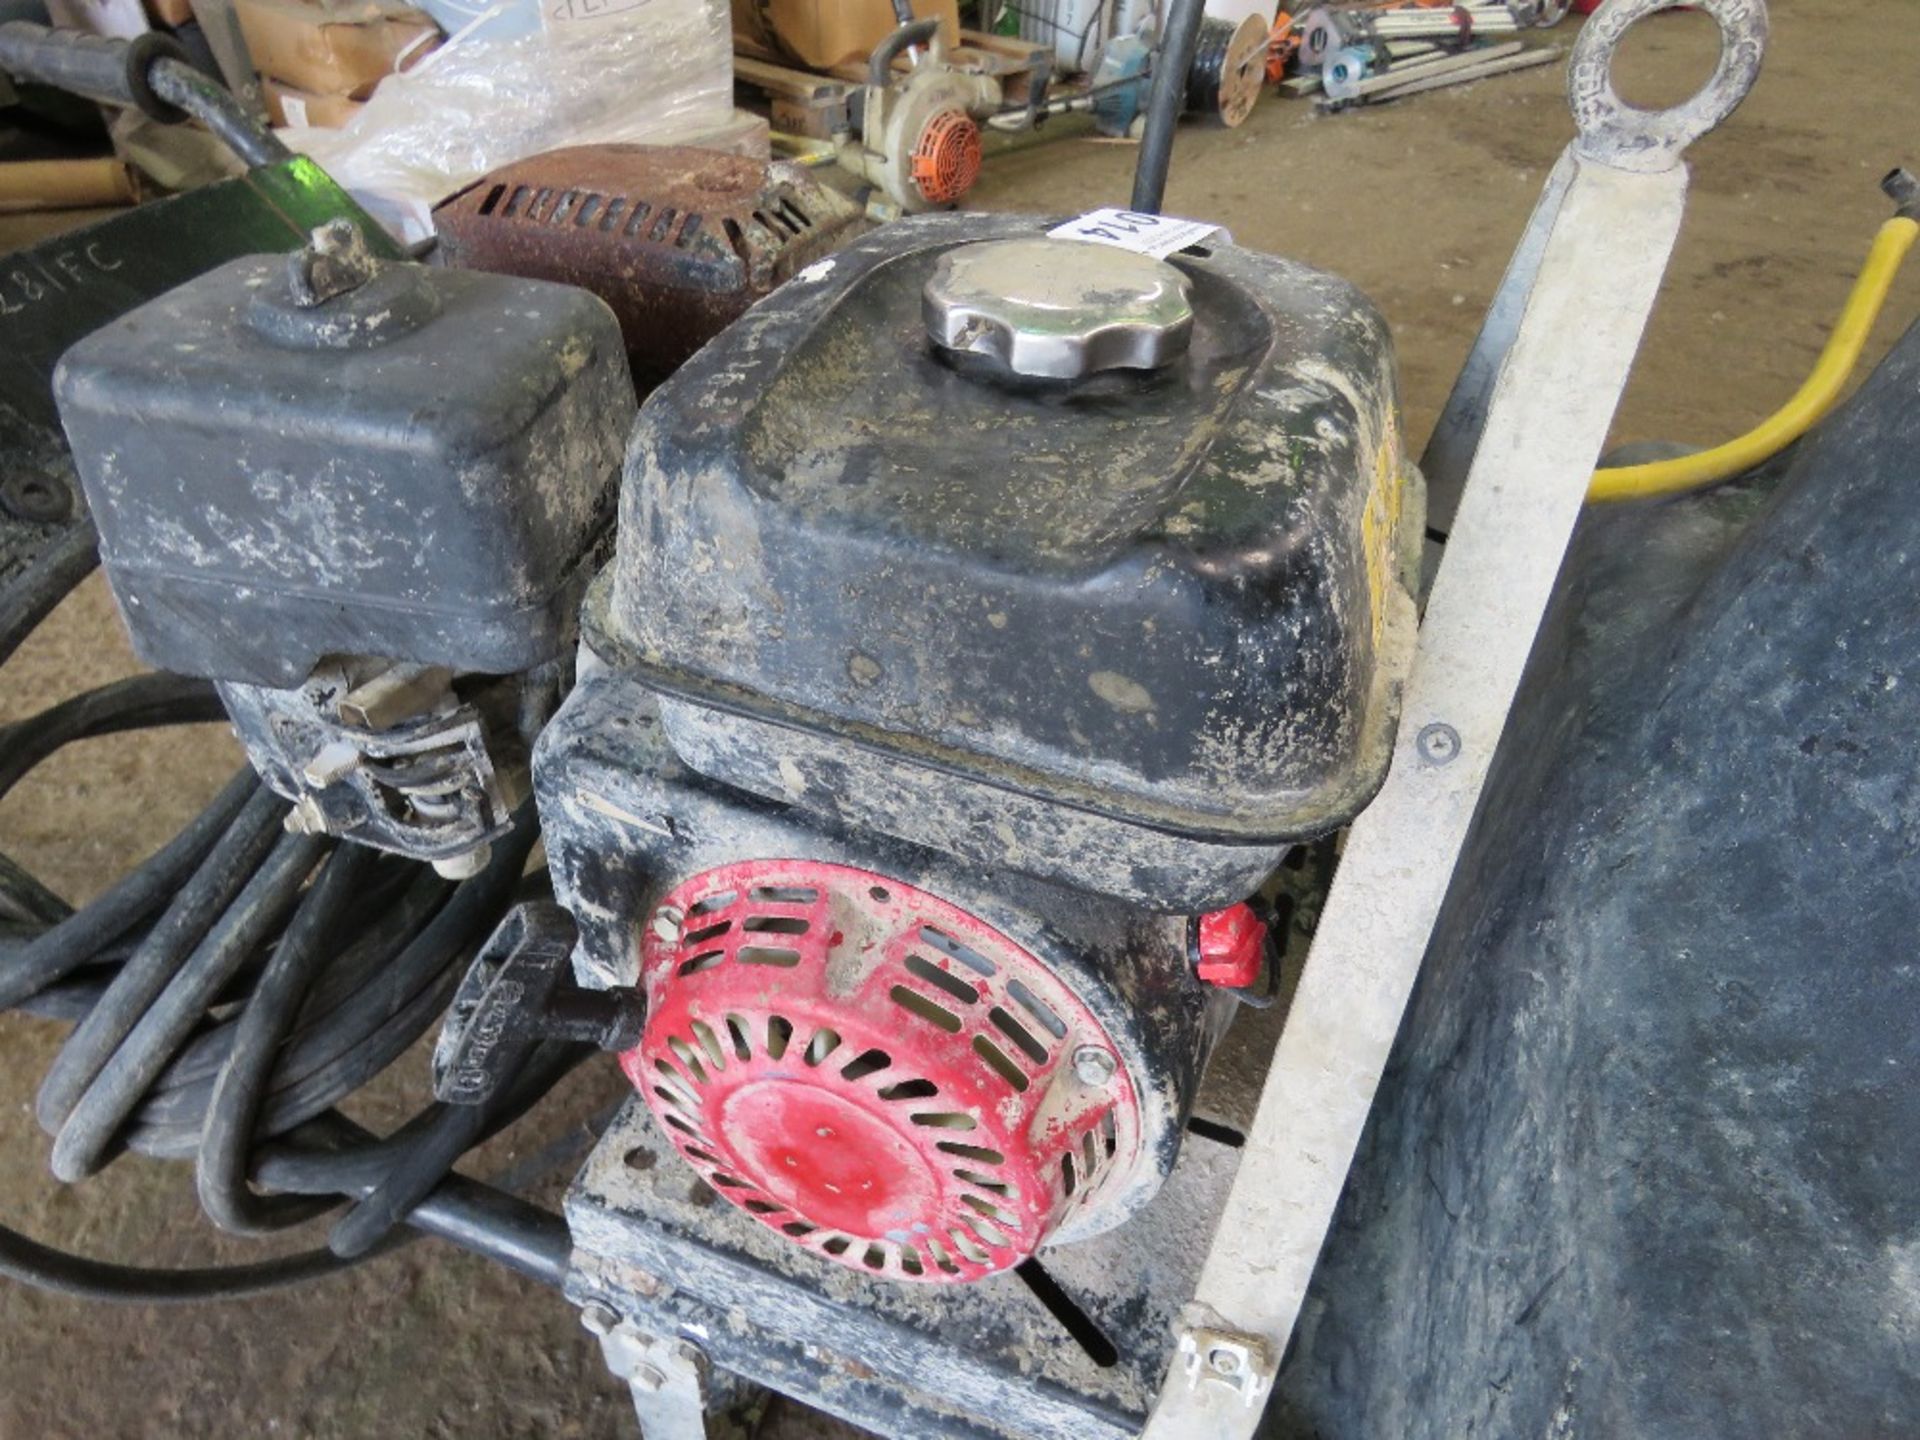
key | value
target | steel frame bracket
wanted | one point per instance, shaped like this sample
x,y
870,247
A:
x,y
668,1377
1212,1354
1520,439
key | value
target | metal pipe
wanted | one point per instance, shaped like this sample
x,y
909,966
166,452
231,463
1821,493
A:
x,y
502,1227
1177,43
150,73
1426,67
880,63
1492,21
1435,77
213,105
109,70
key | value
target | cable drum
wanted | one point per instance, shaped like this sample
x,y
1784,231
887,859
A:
x,y
1229,68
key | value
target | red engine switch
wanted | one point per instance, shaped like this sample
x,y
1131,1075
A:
x,y
1232,944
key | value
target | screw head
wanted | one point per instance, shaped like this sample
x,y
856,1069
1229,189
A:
x,y
1438,743
1093,1065
1223,1361
669,922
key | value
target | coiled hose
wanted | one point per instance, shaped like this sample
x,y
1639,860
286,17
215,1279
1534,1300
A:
x,y
228,992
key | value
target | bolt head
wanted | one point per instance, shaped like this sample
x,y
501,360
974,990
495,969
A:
x,y
330,763
669,922
1093,1065
598,1317
1900,186
1438,743
465,865
1223,1361
305,818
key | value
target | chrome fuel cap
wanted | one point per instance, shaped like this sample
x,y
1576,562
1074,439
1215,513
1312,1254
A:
x,y
1058,309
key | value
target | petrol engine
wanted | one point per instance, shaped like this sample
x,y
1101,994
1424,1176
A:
x,y
990,614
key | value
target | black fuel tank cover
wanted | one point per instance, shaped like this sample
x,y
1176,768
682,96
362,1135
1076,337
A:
x,y
1171,593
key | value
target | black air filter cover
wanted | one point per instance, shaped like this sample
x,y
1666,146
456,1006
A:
x,y
416,469
1172,599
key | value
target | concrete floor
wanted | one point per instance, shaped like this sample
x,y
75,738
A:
x,y
1418,203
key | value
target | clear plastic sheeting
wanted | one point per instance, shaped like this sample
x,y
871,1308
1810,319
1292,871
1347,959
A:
x,y
655,71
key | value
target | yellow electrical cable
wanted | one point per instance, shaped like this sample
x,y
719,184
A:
x,y
1813,399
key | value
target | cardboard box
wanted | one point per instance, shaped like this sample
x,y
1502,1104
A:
x,y
171,13
343,48
288,105
822,34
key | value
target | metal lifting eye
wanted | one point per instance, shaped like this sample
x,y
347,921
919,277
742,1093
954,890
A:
x,y
1629,137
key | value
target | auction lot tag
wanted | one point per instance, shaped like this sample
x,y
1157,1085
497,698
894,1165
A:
x,y
1155,235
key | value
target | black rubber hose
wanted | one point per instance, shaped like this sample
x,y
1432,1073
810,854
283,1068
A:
x,y
150,72
408,1181
158,959
341,1160
438,1145
381,1018
233,1112
80,1278
182,1094
141,703
83,935
489,1222
47,581
1180,34
146,969
346,1162
115,1092
25,901
330,1155
66,1002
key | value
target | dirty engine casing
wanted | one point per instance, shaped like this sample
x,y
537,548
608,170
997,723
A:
x,y
990,615
363,497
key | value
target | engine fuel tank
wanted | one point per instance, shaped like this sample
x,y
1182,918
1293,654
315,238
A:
x,y
1134,618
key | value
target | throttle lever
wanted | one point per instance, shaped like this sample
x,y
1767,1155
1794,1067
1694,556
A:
x,y
519,991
